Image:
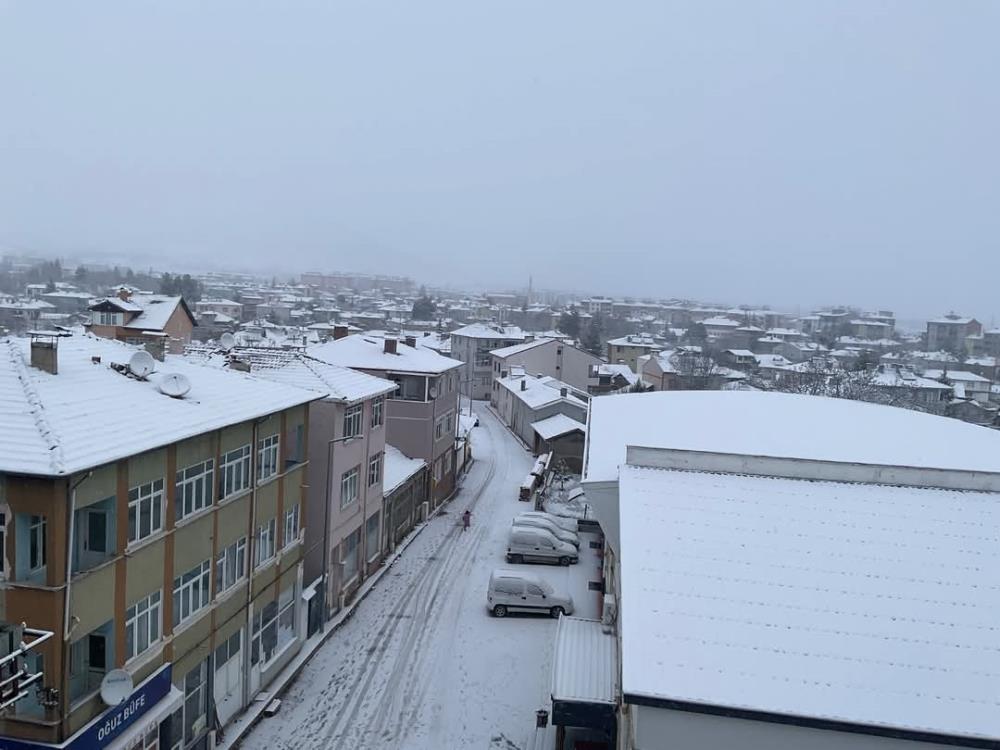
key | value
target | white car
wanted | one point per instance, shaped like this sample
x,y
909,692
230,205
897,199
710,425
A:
x,y
569,524
536,522
514,591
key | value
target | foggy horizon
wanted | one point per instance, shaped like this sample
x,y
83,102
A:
x,y
766,153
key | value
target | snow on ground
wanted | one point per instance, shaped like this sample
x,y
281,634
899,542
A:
x,y
421,664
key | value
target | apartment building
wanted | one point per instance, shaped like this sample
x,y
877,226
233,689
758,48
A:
x,y
627,349
152,519
949,333
548,357
421,414
157,321
472,345
522,399
345,530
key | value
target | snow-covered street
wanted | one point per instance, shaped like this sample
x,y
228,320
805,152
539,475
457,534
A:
x,y
421,664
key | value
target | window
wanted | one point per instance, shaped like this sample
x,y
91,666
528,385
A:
x,y
437,469
411,388
349,487
108,318
264,549
3,540
196,701
352,420
371,537
267,458
378,411
534,590
194,489
191,592
145,510
94,541
443,426
375,469
235,472
286,617
142,625
296,446
90,658
292,525
230,566
349,555
36,543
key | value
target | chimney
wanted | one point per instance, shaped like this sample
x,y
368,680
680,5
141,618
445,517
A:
x,y
45,353
238,364
411,341
157,347
390,346
124,294
339,332
564,392
524,385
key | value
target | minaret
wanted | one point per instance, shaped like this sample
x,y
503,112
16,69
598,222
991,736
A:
x,y
531,294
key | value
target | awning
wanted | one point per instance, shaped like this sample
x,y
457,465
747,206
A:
x,y
149,721
584,669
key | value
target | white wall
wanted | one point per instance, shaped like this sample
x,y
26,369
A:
x,y
665,729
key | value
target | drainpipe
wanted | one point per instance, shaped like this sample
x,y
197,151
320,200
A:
x,y
251,552
69,584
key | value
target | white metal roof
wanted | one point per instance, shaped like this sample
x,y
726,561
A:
x,y
556,425
583,665
89,414
853,602
783,425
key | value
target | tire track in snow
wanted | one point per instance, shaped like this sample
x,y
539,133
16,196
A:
x,y
431,573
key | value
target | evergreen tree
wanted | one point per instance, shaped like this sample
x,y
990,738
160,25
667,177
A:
x,y
569,323
591,340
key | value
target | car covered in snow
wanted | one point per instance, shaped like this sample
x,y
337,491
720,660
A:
x,y
540,522
569,524
515,591
532,544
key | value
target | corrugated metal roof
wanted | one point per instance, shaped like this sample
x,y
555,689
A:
x,y
584,665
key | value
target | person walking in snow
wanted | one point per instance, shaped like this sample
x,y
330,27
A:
x,y
466,520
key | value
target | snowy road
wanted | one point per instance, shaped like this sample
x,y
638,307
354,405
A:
x,y
421,664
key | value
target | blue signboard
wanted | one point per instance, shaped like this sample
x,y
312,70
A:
x,y
105,729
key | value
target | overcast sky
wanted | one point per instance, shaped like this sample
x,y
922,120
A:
x,y
793,153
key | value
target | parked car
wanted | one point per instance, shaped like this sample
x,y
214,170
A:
x,y
570,524
514,591
524,519
532,544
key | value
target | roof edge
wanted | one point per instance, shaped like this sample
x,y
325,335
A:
x,y
812,722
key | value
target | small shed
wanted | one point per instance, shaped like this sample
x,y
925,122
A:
x,y
563,437
584,669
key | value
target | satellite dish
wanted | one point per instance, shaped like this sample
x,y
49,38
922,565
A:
x,y
174,384
116,687
141,364
227,341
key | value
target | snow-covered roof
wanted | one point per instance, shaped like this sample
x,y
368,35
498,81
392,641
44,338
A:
x,y
948,320
156,311
963,375
902,377
623,370
850,602
89,414
785,425
740,352
772,360
720,322
367,352
539,391
484,331
508,351
334,382
636,340
584,668
556,425
397,468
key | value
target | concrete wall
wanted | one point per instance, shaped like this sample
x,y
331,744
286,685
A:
x,y
653,728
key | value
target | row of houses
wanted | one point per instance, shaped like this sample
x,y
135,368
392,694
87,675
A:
x,y
184,522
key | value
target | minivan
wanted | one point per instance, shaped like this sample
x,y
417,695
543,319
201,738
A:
x,y
514,591
570,524
549,526
531,544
